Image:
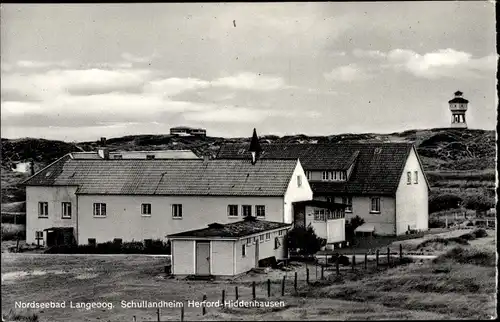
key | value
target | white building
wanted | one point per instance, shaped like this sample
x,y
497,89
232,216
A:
x,y
135,199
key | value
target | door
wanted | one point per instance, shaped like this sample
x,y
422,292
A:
x,y
202,258
257,253
51,238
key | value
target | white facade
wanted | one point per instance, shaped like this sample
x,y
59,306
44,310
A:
x,y
226,256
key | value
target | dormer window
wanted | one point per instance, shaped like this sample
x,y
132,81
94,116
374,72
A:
x,y
150,156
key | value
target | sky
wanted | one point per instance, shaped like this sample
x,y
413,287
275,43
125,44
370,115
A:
x,y
77,72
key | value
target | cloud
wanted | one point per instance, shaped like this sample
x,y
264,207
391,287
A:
x,y
360,53
347,73
440,63
251,81
173,85
42,64
140,59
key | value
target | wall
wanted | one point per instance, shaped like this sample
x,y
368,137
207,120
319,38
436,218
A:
x,y
295,193
124,219
222,257
336,227
54,196
266,249
384,221
412,199
183,257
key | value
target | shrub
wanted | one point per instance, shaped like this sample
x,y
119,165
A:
x,y
133,247
467,236
157,247
108,248
13,232
469,224
480,202
480,233
436,223
12,315
304,239
351,225
443,202
469,256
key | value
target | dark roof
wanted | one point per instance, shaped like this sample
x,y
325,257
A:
x,y
168,176
321,204
377,170
458,100
458,93
312,156
233,230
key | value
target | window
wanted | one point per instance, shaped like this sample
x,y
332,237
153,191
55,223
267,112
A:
x,y
280,233
325,175
92,241
232,210
43,209
150,156
268,236
146,209
66,210
277,243
299,181
334,177
375,205
260,211
347,201
38,235
416,177
261,238
243,250
319,214
249,241
99,210
246,210
308,175
408,177
117,156
255,239
177,211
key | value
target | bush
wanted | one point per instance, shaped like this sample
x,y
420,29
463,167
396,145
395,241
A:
x,y
480,233
467,236
469,256
304,240
480,202
436,223
351,225
13,232
133,247
443,202
157,247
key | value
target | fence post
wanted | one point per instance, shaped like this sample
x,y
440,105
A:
x,y
307,275
388,257
366,260
204,309
158,314
376,256
322,272
182,312
401,253
295,282
268,287
253,290
316,266
236,292
353,261
337,263
283,286
223,297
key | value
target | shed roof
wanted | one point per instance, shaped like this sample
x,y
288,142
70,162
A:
x,y
237,229
377,166
168,176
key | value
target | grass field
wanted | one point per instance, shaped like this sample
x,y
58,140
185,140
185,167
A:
x,y
424,290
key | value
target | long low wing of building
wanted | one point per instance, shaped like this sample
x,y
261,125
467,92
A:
x,y
135,199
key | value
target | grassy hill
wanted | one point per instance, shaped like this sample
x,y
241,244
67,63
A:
x,y
459,161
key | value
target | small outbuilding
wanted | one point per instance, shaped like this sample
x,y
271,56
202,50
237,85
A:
x,y
227,249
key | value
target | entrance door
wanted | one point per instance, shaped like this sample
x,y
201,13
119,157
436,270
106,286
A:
x,y
257,253
51,238
202,258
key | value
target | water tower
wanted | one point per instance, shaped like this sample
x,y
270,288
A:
x,y
458,107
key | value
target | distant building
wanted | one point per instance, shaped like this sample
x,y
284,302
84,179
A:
x,y
458,107
104,153
383,183
22,167
187,131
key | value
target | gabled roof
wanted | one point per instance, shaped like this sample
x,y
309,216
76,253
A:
x,y
312,156
377,166
232,230
168,176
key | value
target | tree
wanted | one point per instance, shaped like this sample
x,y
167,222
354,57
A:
x,y
304,240
351,225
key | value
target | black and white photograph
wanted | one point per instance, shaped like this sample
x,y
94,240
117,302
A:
x,y
248,161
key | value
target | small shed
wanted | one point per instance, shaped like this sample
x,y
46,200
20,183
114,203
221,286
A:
x,y
57,236
227,249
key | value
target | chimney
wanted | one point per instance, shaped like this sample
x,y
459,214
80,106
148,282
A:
x,y
206,158
103,153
